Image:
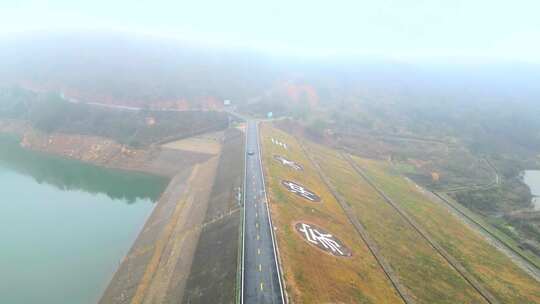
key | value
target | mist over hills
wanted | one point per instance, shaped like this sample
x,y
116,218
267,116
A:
x,y
435,99
127,68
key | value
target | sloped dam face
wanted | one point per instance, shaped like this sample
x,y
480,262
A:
x,y
65,225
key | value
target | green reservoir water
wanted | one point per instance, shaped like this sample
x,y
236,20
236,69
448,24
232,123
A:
x,y
65,225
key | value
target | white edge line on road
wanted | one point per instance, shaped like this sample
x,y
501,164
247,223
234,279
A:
x,y
244,207
274,244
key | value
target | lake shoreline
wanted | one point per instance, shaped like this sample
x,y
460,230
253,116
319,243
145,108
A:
x,y
157,266
103,152
175,221
76,220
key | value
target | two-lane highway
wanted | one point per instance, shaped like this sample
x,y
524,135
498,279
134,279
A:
x,y
261,280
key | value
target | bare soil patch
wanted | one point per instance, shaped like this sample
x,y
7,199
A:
x,y
209,143
105,152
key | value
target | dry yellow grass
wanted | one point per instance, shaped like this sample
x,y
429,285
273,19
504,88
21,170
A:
x,y
312,276
427,276
496,271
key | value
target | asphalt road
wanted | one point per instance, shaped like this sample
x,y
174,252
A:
x,y
261,279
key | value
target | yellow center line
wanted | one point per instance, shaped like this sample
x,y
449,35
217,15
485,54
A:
x,y
260,267
262,286
258,237
257,224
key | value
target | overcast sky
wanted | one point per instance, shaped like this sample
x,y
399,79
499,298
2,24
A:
x,y
490,29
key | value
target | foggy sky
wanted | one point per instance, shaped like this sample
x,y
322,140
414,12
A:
x,y
487,29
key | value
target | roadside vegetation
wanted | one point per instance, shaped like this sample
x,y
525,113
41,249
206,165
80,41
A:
x,y
311,275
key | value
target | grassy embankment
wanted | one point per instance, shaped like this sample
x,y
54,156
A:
x,y
496,271
487,224
311,275
426,275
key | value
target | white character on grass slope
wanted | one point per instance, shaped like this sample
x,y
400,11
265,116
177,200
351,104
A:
x,y
324,239
301,191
